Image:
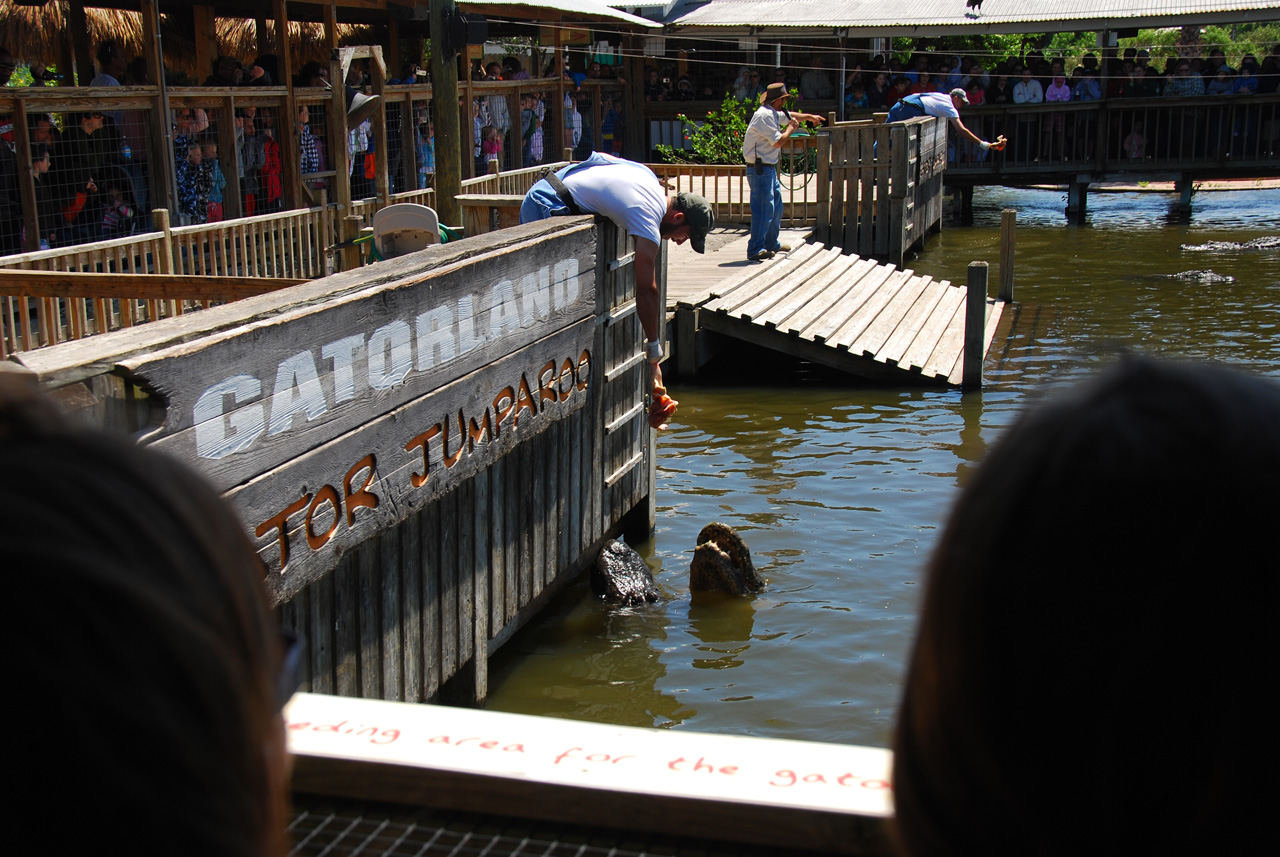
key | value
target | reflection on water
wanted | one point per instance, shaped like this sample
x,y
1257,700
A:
x,y
840,489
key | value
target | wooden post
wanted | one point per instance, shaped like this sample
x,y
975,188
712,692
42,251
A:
x,y
444,83
393,47
1008,241
163,168
79,28
1077,200
382,181
408,144
206,40
260,33
160,218
229,158
337,143
26,181
287,125
975,326
560,138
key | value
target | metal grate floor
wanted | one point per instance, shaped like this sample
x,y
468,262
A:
x,y
326,828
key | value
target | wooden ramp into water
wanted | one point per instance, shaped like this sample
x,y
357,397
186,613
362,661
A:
x,y
846,312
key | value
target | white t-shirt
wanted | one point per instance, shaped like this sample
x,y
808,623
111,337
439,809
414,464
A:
x,y
624,191
939,104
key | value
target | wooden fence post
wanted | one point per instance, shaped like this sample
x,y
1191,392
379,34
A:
x,y
1008,241
160,218
975,326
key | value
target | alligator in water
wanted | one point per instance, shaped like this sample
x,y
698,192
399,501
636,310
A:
x,y
722,563
621,577
1267,242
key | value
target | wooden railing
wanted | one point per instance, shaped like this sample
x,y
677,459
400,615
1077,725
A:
x,y
880,186
1220,135
287,246
725,186
279,248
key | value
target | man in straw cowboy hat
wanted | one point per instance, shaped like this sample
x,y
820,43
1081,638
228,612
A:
x,y
770,127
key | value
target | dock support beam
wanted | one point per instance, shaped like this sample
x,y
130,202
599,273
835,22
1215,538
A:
x,y
1008,242
975,326
966,205
1077,201
1185,188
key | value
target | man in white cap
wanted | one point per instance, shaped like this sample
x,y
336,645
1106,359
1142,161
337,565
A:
x,y
942,105
771,126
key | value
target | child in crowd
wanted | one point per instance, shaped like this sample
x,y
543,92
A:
x,y
857,98
1135,145
116,212
491,144
426,146
537,143
216,178
193,191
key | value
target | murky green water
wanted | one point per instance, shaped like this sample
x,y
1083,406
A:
x,y
840,489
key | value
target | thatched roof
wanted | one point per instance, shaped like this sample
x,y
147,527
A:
x,y
33,35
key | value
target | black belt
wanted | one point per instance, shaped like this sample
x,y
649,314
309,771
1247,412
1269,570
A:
x,y
563,192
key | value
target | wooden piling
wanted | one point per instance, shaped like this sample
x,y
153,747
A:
x,y
975,323
1008,242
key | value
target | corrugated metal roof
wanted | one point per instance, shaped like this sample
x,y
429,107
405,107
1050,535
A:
x,y
889,18
588,9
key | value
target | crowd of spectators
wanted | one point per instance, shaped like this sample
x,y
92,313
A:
x,y
92,170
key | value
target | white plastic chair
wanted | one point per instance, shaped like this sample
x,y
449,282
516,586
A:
x,y
402,228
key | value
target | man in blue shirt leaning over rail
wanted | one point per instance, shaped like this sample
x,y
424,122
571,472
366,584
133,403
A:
x,y
942,105
629,194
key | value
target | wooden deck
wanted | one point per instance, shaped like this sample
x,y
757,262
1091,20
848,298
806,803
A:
x,y
852,314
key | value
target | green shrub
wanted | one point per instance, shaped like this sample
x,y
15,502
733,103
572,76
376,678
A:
x,y
717,140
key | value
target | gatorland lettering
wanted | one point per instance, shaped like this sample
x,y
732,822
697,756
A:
x,y
234,413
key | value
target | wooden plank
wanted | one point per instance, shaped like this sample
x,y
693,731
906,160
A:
x,y
117,286
369,592
839,171
511,501
482,547
411,618
862,291
836,283
498,545
763,303
770,274
448,600
942,361
866,193
917,353
870,310
906,312
346,627
393,574
322,635
432,620
812,287
880,135
994,311
466,585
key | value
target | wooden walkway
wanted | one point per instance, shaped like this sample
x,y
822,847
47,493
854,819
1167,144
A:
x,y
852,314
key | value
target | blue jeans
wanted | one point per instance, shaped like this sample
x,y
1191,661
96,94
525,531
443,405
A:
x,y
766,209
540,203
